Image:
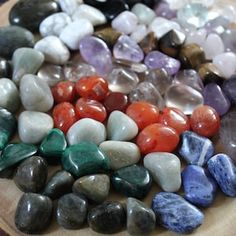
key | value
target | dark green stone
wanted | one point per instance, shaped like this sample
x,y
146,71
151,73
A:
x,y
54,144
7,126
84,159
13,37
14,153
132,181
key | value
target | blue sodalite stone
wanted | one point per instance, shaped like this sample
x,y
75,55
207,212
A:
x,y
199,186
175,213
223,170
195,149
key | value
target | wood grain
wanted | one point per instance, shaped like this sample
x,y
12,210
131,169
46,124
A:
x,y
220,219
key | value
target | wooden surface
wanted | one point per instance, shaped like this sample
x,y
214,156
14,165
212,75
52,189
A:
x,y
220,219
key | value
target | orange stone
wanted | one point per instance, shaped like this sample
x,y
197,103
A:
x,y
205,121
174,118
143,113
92,87
157,138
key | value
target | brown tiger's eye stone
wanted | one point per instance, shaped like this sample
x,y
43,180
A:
x,y
192,56
149,43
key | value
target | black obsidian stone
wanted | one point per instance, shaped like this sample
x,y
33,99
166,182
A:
x,y
149,3
110,8
30,13
13,37
5,68
107,218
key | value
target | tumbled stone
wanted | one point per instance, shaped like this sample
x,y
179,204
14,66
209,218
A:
x,y
75,31
53,49
96,53
31,175
88,130
30,208
149,43
122,80
93,187
197,37
8,125
71,211
120,154
33,126
195,149
10,98
139,34
184,98
9,157
26,61
5,68
132,181
199,186
107,218
68,6
228,88
54,24
59,184
223,169
121,127
228,38
12,38
163,9
165,169
175,213
141,220
84,159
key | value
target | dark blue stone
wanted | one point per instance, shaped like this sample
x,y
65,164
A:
x,y
229,88
223,170
195,149
175,213
199,186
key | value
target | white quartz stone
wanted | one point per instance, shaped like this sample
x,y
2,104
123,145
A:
x,y
69,6
165,169
197,36
53,49
54,24
95,16
86,130
140,33
34,126
75,31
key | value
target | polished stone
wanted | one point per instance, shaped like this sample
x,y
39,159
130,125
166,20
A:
x,y
5,68
228,88
149,43
140,33
68,6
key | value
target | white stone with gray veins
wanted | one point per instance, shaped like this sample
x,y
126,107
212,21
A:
x,y
54,24
165,169
35,94
75,31
9,98
95,16
69,6
33,126
86,130
53,49
120,154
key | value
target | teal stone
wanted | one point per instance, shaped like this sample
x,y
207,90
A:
x,y
84,159
14,153
53,145
132,181
7,127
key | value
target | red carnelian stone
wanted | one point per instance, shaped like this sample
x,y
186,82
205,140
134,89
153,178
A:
x,y
93,87
88,108
64,91
116,101
143,113
205,121
174,118
157,138
64,116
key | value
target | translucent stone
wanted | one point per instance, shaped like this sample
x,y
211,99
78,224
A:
x,y
228,133
51,74
206,3
163,9
176,4
228,38
183,97
197,36
140,33
193,14
190,78
217,25
122,80
228,11
147,92
75,71
134,66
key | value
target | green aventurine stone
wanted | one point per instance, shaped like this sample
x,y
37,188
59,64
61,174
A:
x,y
53,145
7,126
132,181
14,153
84,159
